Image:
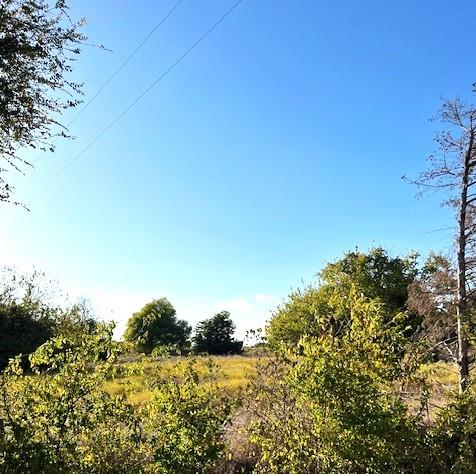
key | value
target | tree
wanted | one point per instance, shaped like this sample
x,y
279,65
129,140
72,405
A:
x,y
156,325
325,406
26,318
29,316
20,331
38,45
432,296
453,171
325,307
215,336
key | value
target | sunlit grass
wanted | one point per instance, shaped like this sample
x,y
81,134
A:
x,y
231,373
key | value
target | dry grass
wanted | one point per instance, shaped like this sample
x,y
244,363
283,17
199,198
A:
x,y
232,374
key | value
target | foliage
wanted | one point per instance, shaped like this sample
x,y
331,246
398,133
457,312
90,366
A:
x,y
185,422
156,325
28,316
328,407
215,336
20,331
319,309
38,45
454,437
349,398
49,418
63,419
375,274
331,405
298,316
26,320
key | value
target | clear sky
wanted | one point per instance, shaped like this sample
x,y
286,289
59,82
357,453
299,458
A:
x,y
273,147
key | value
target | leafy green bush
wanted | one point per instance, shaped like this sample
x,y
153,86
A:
x,y
29,316
329,406
185,422
61,418
51,416
21,331
453,439
323,308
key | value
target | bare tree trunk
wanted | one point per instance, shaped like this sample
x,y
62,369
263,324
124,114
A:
x,y
453,170
462,304
461,317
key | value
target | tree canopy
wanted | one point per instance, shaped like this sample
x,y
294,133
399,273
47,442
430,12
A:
x,y
20,331
156,325
215,336
29,316
325,306
38,45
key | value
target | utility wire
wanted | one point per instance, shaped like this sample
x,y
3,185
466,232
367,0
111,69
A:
x,y
139,97
120,68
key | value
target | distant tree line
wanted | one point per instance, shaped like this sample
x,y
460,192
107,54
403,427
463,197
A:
x,y
29,318
157,327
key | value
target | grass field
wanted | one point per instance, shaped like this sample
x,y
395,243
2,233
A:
x,y
230,373
233,373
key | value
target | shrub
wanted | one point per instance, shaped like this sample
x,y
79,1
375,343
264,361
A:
x,y
185,422
328,406
62,419
374,274
453,438
21,332
51,417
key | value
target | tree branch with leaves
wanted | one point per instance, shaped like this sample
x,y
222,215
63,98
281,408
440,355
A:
x,y
38,46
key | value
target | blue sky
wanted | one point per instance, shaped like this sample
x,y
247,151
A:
x,y
272,148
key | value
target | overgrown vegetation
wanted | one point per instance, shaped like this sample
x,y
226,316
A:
x,y
62,419
353,380
29,315
357,399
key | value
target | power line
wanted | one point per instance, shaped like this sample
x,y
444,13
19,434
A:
x,y
124,63
139,97
120,68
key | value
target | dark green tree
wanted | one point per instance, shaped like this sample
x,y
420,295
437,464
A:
x,y
29,316
27,320
38,45
215,336
156,325
21,331
325,306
